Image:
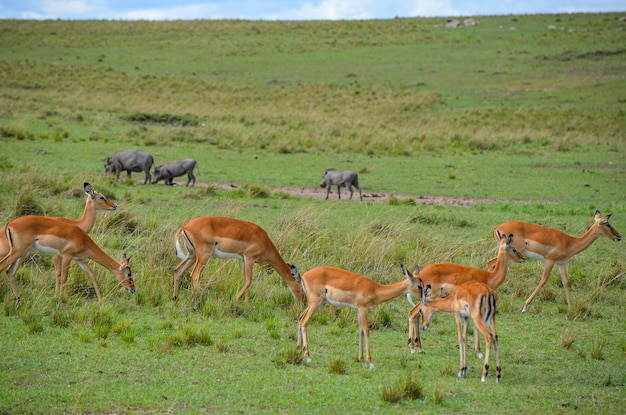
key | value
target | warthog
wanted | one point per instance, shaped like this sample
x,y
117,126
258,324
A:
x,y
168,171
129,160
341,178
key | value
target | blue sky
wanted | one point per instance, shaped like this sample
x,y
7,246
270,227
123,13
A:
x,y
289,9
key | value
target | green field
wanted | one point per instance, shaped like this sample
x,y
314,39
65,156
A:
x,y
520,117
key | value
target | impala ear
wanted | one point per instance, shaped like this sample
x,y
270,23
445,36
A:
x,y
426,293
416,270
295,273
597,214
88,190
509,240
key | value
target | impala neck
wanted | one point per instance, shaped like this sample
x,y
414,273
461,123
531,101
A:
x,y
499,272
389,292
95,253
441,304
88,219
576,245
433,306
284,270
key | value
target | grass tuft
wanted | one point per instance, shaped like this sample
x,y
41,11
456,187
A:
x,y
337,367
405,389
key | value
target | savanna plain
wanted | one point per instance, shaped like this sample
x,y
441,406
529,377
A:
x,y
460,129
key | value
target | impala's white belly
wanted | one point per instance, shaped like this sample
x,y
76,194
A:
x,y
225,255
338,303
45,249
534,255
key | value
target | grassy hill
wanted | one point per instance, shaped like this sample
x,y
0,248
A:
x,y
524,115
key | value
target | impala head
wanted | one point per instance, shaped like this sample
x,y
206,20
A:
x,y
507,248
296,276
604,228
100,201
415,288
427,312
127,279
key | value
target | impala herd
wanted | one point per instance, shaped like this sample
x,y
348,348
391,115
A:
x,y
466,292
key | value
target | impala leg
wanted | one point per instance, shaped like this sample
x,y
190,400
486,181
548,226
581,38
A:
x,y
64,270
179,271
480,326
414,331
565,280
496,348
461,328
364,331
92,276
477,343
304,321
201,261
544,279
248,264
11,272
57,268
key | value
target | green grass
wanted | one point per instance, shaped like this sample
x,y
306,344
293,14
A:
x,y
527,123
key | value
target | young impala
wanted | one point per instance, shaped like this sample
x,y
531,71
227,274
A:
x,y
554,246
473,300
346,289
443,278
55,237
95,201
225,237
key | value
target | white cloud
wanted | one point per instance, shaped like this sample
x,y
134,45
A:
x,y
72,8
288,9
185,12
431,8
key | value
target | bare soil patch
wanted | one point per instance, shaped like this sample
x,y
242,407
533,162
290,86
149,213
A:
x,y
320,194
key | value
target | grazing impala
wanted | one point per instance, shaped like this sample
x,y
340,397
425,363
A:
x,y
444,278
346,289
554,246
54,237
473,300
95,201
225,237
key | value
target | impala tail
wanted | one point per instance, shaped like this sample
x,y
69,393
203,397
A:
x,y
188,245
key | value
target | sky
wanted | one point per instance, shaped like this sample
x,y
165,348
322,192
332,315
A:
x,y
289,9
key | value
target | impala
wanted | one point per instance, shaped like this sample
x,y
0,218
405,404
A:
x,y
95,201
473,300
556,247
225,237
54,237
346,289
443,278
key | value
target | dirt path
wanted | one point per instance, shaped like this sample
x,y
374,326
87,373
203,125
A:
x,y
320,194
